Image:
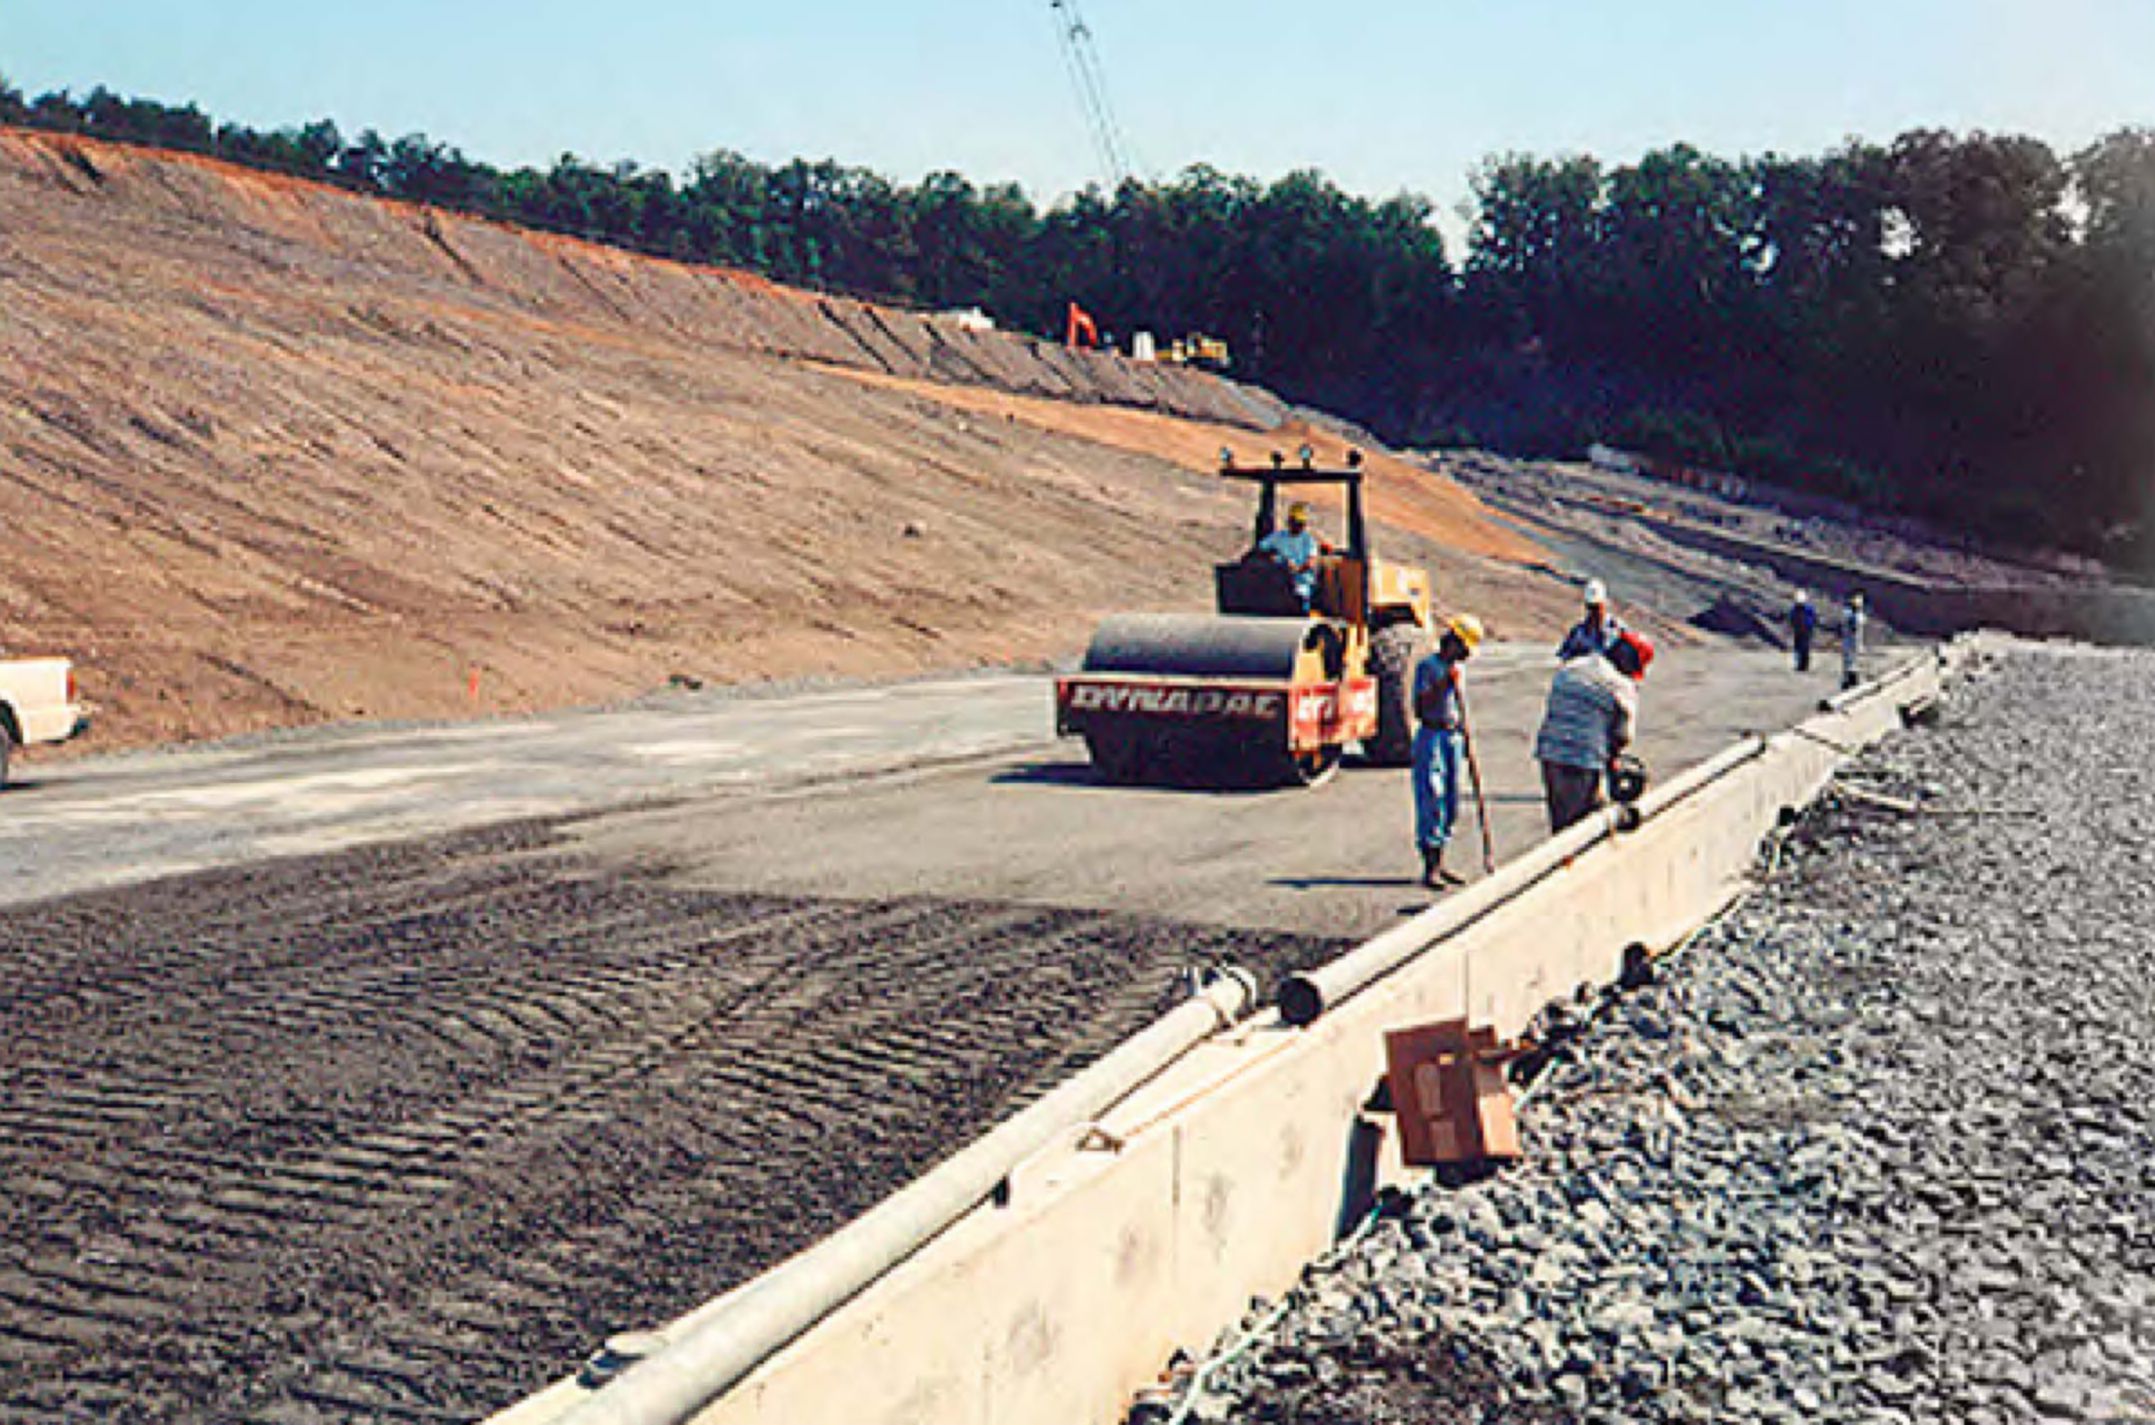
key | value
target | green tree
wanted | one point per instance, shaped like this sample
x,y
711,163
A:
x,y
1531,259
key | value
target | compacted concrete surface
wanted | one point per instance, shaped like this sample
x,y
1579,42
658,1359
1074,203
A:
x,y
1877,1146
133,817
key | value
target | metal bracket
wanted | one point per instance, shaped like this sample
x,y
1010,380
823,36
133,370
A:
x,y
1096,1139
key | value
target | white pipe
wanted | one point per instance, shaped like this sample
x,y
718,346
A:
x,y
1848,697
1303,997
1693,779
711,1349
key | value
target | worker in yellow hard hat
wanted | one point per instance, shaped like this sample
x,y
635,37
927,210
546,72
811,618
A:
x,y
1440,742
1297,546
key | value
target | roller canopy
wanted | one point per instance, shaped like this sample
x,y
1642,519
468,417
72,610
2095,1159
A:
x,y
1198,646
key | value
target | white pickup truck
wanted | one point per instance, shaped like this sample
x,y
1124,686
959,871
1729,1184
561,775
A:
x,y
38,703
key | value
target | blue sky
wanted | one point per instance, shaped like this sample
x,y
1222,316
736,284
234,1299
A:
x,y
1383,96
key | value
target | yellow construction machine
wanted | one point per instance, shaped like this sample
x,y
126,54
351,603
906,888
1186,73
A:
x,y
1264,691
1208,353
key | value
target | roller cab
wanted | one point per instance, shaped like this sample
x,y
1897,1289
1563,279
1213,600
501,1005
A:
x,y
1263,692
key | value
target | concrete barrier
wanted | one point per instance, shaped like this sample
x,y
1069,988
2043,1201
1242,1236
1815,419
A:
x,y
1220,1179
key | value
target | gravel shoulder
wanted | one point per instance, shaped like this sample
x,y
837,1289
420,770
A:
x,y
1877,1146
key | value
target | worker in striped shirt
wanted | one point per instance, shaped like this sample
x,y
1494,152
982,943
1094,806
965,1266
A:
x,y
1592,712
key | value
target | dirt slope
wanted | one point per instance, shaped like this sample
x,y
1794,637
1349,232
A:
x,y
271,453
1401,494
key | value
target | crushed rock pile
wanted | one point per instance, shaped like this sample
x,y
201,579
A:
x,y
1879,1146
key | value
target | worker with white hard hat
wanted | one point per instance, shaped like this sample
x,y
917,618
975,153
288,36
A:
x,y
1802,629
1297,546
1595,633
1853,619
1440,742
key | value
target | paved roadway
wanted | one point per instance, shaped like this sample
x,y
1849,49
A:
x,y
970,796
106,821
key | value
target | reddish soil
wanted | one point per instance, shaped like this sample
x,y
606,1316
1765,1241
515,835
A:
x,y
1402,495
271,453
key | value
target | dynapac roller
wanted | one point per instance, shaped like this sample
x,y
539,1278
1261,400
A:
x,y
1264,691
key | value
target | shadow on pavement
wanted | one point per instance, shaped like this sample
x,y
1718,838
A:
x,y
1082,776
1052,774
1316,883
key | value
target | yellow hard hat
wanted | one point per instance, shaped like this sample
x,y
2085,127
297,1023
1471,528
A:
x,y
1469,629
1298,511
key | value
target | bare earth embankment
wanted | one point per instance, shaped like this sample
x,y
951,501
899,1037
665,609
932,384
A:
x,y
271,453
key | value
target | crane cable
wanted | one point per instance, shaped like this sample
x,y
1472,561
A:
x,y
1090,82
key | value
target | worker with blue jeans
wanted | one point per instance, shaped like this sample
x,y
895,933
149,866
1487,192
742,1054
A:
x,y
1852,621
1440,743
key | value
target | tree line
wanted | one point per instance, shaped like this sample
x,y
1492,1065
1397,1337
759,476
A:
x,y
1958,326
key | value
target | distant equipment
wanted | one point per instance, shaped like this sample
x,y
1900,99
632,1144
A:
x,y
1208,353
1079,329
1091,84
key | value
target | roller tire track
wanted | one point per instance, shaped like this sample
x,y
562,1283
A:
x,y
401,1133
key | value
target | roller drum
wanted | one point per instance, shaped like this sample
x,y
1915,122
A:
x,y
1200,646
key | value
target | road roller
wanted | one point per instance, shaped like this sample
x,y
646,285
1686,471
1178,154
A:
x,y
1267,691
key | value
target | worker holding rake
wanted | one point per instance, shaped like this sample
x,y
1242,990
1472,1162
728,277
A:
x,y
1440,742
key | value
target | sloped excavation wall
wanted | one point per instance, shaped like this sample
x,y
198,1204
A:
x,y
299,224
1151,1226
273,453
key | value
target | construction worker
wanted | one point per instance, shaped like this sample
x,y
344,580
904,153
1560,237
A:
x,y
1598,631
1439,742
1853,618
1593,707
1802,629
1297,546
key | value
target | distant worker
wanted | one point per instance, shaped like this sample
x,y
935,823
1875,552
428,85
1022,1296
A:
x,y
1439,742
1592,712
1598,631
1852,620
1297,546
1803,628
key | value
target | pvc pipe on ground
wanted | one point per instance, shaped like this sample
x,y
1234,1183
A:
x,y
711,1349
